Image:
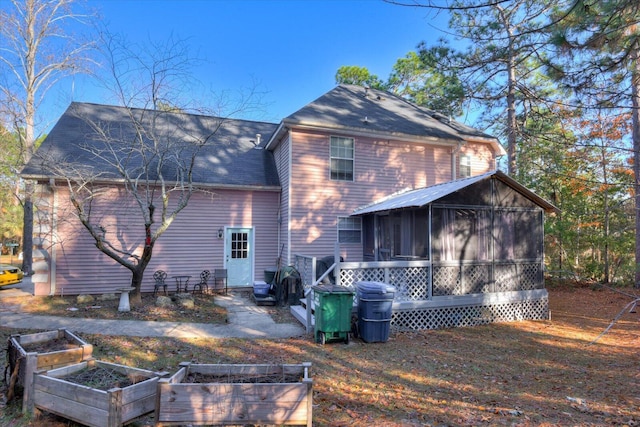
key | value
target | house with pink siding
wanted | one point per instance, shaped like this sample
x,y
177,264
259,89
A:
x,y
266,191
353,146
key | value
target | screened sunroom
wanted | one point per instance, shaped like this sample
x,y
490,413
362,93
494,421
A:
x,y
481,234
460,253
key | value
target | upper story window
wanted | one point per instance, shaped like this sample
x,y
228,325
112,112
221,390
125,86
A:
x,y
342,155
465,166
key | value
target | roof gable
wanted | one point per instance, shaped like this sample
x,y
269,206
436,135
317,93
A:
x,y
424,196
355,109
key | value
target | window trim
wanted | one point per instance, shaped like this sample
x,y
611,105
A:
x,y
464,166
332,157
351,221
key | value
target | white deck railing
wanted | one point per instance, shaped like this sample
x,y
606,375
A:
x,y
423,284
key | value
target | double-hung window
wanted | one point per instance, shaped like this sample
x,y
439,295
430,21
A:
x,y
465,166
349,229
342,155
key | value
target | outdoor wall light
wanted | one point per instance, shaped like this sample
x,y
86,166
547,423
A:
x,y
220,233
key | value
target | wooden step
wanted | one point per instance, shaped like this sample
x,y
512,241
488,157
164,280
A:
x,y
303,303
300,313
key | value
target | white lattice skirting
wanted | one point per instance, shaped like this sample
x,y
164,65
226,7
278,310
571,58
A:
x,y
462,311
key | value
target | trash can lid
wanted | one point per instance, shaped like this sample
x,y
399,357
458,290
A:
x,y
375,287
332,289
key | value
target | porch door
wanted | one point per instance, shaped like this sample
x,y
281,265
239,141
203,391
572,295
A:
x,y
238,255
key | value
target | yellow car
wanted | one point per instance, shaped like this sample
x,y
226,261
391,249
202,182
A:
x,y
10,275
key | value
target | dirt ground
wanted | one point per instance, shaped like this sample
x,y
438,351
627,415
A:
x,y
560,372
204,310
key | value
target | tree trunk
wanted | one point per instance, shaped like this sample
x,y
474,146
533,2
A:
x,y
27,230
511,125
29,133
635,97
607,213
136,282
138,273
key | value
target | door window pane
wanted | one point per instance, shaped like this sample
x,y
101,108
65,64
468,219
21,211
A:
x,y
239,245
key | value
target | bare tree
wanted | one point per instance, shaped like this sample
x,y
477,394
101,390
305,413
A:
x,y
145,161
146,157
37,49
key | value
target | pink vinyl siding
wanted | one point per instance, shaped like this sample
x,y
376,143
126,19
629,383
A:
x,y
481,155
381,167
79,266
265,223
281,154
189,246
299,219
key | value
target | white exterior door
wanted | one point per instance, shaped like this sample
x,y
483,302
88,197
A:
x,y
238,255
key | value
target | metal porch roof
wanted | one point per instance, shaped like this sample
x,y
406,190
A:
x,y
423,196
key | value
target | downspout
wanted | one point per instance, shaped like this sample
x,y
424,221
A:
x,y
279,221
289,189
54,243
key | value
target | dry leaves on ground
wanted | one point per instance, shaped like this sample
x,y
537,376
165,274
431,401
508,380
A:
x,y
205,309
543,373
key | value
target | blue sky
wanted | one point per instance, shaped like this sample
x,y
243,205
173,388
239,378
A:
x,y
290,48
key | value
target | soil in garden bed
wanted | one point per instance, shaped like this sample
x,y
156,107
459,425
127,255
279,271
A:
x,y
197,378
48,346
102,378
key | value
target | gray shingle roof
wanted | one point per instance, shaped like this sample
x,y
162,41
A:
x,y
228,158
369,110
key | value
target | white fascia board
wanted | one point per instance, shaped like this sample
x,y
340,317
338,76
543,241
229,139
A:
x,y
276,135
397,136
494,142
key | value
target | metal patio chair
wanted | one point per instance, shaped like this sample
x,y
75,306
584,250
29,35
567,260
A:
x,y
220,280
203,285
159,276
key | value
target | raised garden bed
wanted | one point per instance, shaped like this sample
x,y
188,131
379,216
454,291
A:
x,y
97,394
30,353
236,395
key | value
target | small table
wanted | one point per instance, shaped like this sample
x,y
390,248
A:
x,y
180,281
124,299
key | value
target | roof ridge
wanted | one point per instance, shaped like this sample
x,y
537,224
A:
x,y
183,113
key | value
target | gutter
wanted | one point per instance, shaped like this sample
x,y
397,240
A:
x,y
197,185
276,135
396,136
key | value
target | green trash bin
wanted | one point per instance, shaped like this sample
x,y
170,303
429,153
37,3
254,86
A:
x,y
333,307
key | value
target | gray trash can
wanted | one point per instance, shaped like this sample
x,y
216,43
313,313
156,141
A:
x,y
375,307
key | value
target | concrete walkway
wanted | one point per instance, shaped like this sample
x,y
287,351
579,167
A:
x,y
246,320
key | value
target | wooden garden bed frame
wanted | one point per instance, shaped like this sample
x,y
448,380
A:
x,y
93,407
236,403
23,364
